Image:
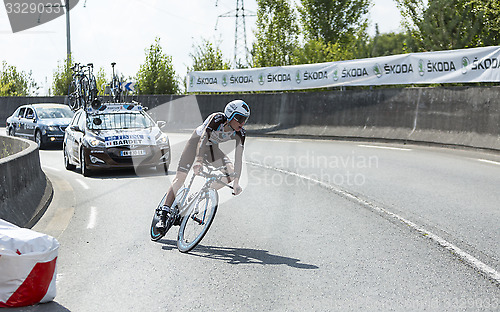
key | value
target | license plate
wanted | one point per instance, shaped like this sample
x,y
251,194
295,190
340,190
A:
x,y
133,153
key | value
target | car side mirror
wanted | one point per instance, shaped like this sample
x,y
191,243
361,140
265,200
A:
x,y
76,128
161,123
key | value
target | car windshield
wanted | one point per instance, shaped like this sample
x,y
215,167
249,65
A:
x,y
129,120
54,112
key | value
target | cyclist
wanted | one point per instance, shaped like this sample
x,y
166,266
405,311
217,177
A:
x,y
217,128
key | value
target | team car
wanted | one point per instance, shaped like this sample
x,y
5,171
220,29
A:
x,y
43,123
115,135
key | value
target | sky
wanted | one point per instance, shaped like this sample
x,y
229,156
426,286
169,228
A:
x,y
105,31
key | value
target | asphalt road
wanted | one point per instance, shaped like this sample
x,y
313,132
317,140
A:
x,y
320,226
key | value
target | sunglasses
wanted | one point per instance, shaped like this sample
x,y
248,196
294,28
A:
x,y
240,118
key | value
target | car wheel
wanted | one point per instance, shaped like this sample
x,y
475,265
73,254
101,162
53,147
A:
x,y
67,164
83,166
38,138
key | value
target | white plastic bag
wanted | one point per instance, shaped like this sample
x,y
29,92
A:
x,y
27,266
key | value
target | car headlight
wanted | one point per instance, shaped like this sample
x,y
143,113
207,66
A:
x,y
52,128
162,139
94,142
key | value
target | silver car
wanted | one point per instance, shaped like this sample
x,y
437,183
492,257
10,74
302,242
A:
x,y
114,136
43,123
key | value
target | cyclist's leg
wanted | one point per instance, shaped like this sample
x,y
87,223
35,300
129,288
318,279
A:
x,y
185,164
221,159
177,183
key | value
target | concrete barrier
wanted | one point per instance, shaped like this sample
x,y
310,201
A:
x,y
460,116
25,192
455,116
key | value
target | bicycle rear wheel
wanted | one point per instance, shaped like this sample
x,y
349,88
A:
x,y
156,234
195,225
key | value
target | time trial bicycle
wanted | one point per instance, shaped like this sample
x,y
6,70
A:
x,y
194,211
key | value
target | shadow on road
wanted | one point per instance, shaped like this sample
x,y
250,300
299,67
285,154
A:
x,y
44,307
240,255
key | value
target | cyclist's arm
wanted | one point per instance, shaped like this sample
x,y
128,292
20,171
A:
x,y
212,122
238,159
204,139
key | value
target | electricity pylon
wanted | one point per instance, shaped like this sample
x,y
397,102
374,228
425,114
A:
x,y
241,52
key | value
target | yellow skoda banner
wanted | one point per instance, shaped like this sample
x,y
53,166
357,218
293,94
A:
x,y
453,66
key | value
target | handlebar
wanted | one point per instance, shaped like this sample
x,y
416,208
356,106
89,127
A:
x,y
79,68
209,174
216,176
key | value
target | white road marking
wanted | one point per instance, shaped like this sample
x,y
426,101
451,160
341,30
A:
x,y
93,217
489,162
385,147
82,183
477,264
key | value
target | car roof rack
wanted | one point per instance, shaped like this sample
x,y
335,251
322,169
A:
x,y
115,108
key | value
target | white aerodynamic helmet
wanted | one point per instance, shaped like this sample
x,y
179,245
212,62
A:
x,y
238,110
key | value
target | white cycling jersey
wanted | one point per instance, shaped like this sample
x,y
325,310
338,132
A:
x,y
215,124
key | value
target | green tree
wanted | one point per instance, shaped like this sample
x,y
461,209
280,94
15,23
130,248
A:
x,y
490,10
101,81
443,24
318,51
335,21
16,83
390,44
208,56
62,78
276,37
157,74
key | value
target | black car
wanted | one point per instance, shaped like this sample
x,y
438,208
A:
x,y
115,136
43,123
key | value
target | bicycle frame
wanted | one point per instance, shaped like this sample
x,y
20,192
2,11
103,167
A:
x,y
183,203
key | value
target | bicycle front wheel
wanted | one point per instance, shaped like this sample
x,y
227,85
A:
x,y
196,223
